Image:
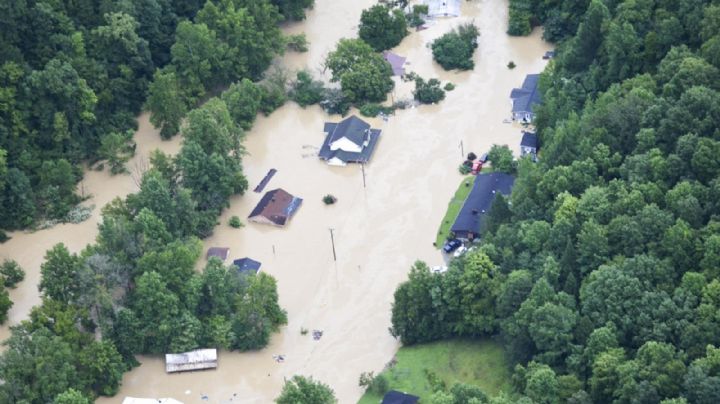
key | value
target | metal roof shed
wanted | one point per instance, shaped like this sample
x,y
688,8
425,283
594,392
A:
x,y
198,359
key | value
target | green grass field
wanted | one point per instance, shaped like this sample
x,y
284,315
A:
x,y
481,363
454,207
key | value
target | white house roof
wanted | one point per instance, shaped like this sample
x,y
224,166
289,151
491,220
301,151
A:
x,y
443,8
193,360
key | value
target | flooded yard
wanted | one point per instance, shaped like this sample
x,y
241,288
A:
x,y
379,230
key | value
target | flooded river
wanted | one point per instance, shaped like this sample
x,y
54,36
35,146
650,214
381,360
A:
x,y
379,230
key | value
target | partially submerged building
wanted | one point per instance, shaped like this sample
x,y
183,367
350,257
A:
x,y
443,8
469,222
247,266
198,359
525,98
276,207
218,252
349,141
396,61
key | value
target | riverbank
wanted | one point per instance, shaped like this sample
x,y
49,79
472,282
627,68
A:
x,y
480,363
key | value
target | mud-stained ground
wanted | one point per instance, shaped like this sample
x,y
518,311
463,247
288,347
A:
x,y
379,230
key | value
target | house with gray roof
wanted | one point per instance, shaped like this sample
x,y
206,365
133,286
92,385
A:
x,y
525,98
349,141
469,222
529,145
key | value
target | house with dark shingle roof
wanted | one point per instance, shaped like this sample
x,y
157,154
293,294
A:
x,y
247,266
529,145
349,141
469,222
276,208
218,252
397,397
525,98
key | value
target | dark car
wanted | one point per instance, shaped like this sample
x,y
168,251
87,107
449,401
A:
x,y
451,245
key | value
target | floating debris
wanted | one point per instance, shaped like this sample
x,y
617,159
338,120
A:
x,y
317,334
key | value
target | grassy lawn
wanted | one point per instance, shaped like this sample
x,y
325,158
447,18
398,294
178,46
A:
x,y
481,363
454,207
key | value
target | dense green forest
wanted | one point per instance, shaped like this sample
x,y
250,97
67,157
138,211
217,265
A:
x,y
601,272
74,76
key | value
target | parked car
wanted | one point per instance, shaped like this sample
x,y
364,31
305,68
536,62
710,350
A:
x,y
451,245
460,251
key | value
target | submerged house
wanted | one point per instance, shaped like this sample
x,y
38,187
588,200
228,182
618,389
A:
x,y
276,208
396,61
397,397
469,222
247,266
349,141
198,359
443,8
529,145
525,98
218,252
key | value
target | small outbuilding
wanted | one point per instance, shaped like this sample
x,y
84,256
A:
x,y
469,222
276,207
396,61
443,8
525,98
397,397
218,252
529,145
247,266
198,359
349,141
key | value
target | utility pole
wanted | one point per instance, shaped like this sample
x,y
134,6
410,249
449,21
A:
x,y
462,149
332,240
362,167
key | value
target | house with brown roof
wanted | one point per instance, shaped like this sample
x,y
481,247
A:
x,y
276,208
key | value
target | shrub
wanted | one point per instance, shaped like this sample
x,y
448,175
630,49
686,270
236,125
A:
x,y
335,102
79,214
471,156
329,199
5,304
378,385
12,273
449,87
501,158
511,65
3,237
273,90
235,222
455,49
372,110
464,169
297,43
306,91
428,92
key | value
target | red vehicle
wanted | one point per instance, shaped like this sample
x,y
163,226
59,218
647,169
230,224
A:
x,y
476,167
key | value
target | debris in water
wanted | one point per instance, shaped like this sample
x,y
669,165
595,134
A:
x,y
317,334
279,358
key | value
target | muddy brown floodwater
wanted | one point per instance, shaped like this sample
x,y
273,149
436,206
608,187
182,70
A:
x,y
379,230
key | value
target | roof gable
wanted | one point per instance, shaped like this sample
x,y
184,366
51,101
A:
x,y
529,139
480,200
353,128
277,206
524,98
